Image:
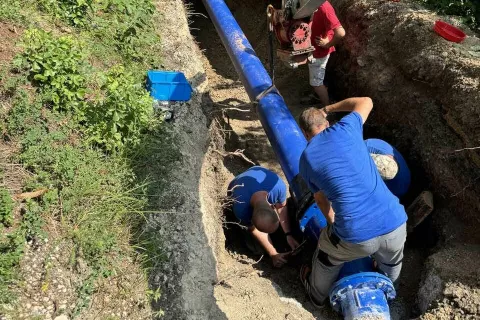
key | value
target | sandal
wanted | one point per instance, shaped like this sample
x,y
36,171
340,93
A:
x,y
304,274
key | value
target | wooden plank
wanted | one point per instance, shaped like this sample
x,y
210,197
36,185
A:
x,y
420,208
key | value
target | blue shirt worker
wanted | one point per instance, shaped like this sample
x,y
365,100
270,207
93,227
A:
x,y
260,203
365,218
391,165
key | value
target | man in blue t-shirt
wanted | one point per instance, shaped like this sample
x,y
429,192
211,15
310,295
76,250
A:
x,y
260,203
364,217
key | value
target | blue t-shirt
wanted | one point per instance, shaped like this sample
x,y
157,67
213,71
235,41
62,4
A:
x,y
337,163
401,182
246,184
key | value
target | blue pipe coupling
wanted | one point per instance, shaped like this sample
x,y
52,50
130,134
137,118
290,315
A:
x,y
363,296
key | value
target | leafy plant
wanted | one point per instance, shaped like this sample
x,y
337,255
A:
x,y
24,114
11,251
84,293
55,65
74,12
11,11
6,207
123,113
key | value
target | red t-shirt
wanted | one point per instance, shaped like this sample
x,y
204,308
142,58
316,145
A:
x,y
324,21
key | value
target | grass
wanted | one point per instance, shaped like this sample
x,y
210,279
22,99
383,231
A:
x,y
83,124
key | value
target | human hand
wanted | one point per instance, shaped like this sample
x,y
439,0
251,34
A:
x,y
322,42
279,259
324,113
292,242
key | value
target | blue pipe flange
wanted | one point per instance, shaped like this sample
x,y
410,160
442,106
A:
x,y
363,296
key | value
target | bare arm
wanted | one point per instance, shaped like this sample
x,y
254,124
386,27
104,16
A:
x,y
264,240
278,259
338,35
325,207
285,223
361,105
283,215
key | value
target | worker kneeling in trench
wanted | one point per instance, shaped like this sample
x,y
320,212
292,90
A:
x,y
365,218
260,203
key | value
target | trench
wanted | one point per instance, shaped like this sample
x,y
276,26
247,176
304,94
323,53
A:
x,y
243,131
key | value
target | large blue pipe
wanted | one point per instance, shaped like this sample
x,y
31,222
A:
x,y
281,128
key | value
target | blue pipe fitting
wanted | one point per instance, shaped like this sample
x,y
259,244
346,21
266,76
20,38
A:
x,y
363,296
312,223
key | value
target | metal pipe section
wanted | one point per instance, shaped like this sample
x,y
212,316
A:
x,y
281,128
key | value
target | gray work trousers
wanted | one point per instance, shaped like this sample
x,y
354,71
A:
x,y
333,252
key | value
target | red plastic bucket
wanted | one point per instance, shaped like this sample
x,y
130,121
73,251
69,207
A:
x,y
449,32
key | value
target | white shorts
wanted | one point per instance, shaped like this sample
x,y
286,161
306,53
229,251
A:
x,y
316,71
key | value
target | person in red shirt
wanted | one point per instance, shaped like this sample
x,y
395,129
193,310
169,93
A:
x,y
327,31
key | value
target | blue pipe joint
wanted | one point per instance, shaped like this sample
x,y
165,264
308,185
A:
x,y
312,223
363,296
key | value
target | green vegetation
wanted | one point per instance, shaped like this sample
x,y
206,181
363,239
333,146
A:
x,y
55,65
86,132
469,10
73,12
7,206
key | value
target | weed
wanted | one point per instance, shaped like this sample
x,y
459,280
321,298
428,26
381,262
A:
x,y
11,11
121,116
127,26
12,246
23,115
74,12
153,295
55,65
84,293
32,222
11,250
6,208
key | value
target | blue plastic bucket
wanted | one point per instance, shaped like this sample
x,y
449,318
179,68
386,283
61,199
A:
x,y
168,86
